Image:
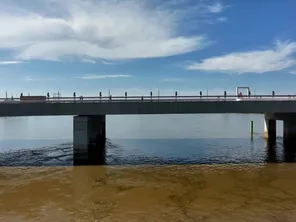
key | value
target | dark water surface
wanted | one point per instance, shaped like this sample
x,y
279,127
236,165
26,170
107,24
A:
x,y
157,152
158,168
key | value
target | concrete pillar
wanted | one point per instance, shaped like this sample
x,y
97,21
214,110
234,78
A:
x,y
290,130
269,128
89,138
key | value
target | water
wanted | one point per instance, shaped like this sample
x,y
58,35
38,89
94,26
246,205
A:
x,y
153,168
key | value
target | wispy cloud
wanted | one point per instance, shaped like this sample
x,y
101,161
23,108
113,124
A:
x,y
293,72
222,19
108,63
216,8
172,80
10,62
34,79
104,76
98,29
278,58
89,61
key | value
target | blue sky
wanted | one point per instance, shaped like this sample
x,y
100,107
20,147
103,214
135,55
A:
x,y
88,46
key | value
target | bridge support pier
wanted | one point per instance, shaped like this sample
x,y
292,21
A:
x,y
290,130
269,128
89,135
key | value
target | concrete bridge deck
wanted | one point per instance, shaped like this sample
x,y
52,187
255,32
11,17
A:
x,y
147,105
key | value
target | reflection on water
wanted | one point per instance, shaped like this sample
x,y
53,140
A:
x,y
289,152
96,155
157,152
271,156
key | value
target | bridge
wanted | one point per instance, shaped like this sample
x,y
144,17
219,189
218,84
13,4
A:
x,y
90,112
147,105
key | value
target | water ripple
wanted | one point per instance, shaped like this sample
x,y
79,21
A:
x,y
158,152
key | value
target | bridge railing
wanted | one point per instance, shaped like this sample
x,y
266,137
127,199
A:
x,y
193,98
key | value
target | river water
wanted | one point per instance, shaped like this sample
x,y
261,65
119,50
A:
x,y
152,168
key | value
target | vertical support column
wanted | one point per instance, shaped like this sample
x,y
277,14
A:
x,y
269,128
89,135
289,130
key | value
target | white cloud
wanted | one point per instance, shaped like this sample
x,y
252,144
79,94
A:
x,y
222,19
108,63
172,80
104,76
216,8
10,62
30,79
293,72
260,61
89,61
96,29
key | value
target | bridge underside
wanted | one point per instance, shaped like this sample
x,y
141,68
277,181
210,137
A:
x,y
289,128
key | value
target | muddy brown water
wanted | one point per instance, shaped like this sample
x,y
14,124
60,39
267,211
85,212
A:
x,y
264,192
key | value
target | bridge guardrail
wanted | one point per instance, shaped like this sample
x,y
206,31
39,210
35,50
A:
x,y
153,99
160,97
